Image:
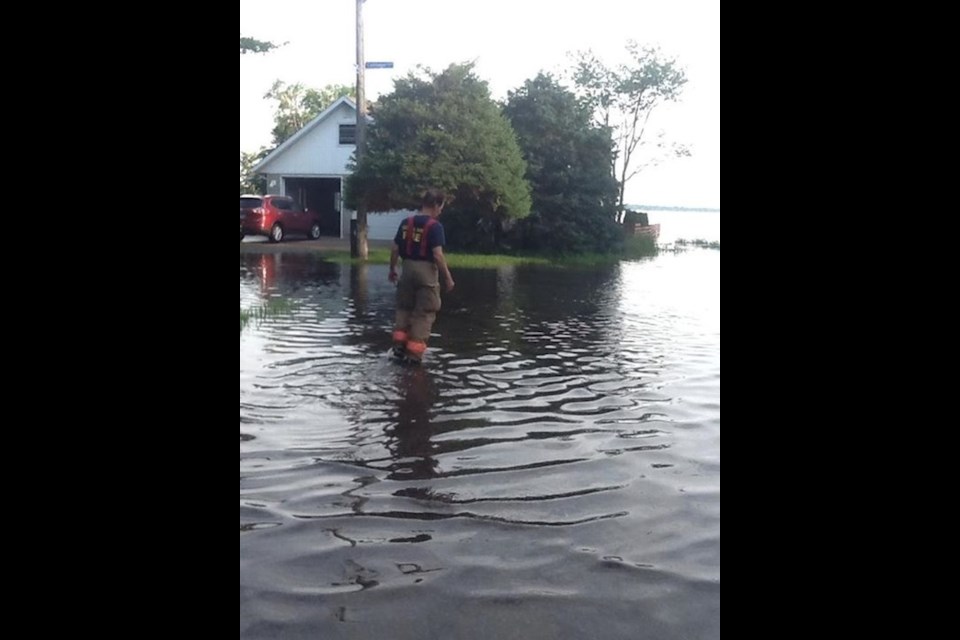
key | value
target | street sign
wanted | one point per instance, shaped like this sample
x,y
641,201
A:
x,y
379,65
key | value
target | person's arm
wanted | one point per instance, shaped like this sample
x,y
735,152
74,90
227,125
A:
x,y
441,261
394,255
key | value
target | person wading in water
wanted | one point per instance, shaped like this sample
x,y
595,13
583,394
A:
x,y
419,241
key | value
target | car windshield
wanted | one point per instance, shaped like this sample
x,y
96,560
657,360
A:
x,y
250,203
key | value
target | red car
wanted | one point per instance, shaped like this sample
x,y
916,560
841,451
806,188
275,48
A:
x,y
275,217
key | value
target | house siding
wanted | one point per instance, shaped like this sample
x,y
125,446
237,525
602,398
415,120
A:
x,y
319,152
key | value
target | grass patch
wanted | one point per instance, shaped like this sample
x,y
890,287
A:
x,y
703,244
480,261
455,260
375,256
270,309
634,248
637,247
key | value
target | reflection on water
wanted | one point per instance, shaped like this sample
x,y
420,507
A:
x,y
552,472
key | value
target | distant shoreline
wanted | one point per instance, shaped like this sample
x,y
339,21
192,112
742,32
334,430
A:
x,y
649,207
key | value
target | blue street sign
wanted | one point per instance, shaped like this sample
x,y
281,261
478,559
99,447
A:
x,y
379,65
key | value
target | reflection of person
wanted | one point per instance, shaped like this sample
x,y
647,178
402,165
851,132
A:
x,y
419,241
411,449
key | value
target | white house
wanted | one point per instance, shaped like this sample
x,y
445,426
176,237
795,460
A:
x,y
311,166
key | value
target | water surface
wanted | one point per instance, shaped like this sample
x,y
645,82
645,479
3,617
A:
x,y
552,472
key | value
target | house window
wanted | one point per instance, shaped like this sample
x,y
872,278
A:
x,y
348,134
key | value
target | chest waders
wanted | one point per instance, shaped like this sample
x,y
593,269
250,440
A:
x,y
418,295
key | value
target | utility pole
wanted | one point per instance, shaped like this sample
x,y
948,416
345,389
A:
x,y
358,249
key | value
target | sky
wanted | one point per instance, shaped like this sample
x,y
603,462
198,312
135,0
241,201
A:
x,y
510,41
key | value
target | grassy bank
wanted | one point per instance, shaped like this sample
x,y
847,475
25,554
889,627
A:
x,y
633,249
455,260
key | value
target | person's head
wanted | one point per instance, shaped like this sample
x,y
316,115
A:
x,y
433,201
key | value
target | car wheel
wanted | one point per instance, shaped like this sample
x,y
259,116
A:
x,y
276,233
315,231
241,236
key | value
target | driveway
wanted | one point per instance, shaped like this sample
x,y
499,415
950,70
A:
x,y
259,244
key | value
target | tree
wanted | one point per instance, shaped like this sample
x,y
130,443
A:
x,y
249,45
568,159
249,181
624,99
443,130
297,105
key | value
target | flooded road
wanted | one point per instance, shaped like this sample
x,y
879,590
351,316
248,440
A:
x,y
552,472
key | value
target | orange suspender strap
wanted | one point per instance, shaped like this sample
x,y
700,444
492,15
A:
x,y
409,236
424,236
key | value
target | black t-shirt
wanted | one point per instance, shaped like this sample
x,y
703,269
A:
x,y
435,238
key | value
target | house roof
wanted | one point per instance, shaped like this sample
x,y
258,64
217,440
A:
x,y
310,126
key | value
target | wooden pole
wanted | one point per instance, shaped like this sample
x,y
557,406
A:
x,y
358,249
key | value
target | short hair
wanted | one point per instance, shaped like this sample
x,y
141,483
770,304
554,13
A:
x,y
433,198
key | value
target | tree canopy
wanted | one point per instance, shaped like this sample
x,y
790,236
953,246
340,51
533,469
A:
x,y
443,130
296,105
568,167
623,98
251,45
250,182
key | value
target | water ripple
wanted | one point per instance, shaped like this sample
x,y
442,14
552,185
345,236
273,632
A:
x,y
581,406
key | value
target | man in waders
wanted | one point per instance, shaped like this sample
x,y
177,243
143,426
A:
x,y
419,241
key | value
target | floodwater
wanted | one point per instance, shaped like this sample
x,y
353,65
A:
x,y
553,471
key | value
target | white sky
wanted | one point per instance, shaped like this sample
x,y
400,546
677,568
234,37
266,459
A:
x,y
510,41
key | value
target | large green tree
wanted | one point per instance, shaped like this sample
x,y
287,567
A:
x,y
623,98
296,105
568,167
444,130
